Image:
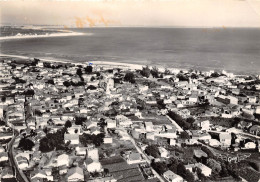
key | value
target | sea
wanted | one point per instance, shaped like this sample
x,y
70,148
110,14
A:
x,y
235,50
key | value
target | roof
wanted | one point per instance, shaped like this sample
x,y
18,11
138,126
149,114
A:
x,y
77,170
71,136
171,174
199,153
135,156
225,136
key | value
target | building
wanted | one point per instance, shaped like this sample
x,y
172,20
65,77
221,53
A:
x,y
225,139
75,174
72,138
172,177
204,169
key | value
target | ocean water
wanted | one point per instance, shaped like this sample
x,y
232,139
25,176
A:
x,y
232,49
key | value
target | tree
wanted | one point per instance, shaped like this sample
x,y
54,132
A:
x,y
215,74
26,144
190,120
214,165
194,76
184,135
160,167
182,77
3,99
79,72
152,150
146,71
155,72
68,124
130,77
67,83
173,164
89,69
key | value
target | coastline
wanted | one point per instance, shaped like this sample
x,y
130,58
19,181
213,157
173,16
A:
x,y
99,63
106,64
43,36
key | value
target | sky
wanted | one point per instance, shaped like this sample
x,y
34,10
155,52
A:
x,y
96,13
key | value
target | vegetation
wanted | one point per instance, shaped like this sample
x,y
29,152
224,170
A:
x,y
97,140
53,140
129,77
88,69
68,124
146,72
25,144
152,150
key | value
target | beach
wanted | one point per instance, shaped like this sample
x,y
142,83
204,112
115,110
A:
x,y
41,36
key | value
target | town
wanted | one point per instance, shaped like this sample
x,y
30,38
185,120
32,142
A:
x,y
106,123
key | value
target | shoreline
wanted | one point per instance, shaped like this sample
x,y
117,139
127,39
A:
x,y
107,64
43,36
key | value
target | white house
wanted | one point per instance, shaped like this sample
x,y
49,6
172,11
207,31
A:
x,y
163,152
63,159
111,123
172,177
225,139
94,166
148,126
250,145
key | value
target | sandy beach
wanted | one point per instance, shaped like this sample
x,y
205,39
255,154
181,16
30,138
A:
x,y
43,36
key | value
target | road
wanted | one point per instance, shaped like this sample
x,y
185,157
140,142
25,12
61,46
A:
x,y
143,154
20,177
175,124
236,132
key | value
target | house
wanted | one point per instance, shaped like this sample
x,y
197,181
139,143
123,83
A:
x,y
163,152
7,172
255,130
172,177
40,174
93,154
73,138
108,139
134,158
225,139
252,99
22,162
3,157
148,126
63,159
93,166
204,169
111,123
250,145
213,142
204,125
75,174
81,151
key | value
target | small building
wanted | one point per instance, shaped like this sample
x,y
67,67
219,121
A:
x,y
75,174
73,138
172,177
225,139
63,159
204,169
134,158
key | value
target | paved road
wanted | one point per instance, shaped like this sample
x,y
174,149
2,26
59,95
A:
x,y
18,174
143,154
175,124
